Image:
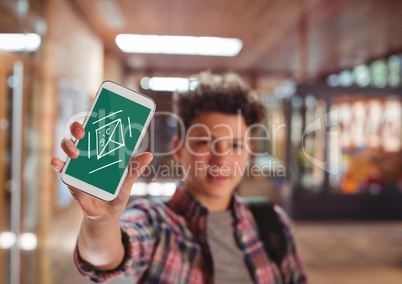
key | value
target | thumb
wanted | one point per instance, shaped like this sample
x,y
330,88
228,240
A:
x,y
136,167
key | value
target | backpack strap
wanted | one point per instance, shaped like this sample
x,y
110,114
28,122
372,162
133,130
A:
x,y
271,230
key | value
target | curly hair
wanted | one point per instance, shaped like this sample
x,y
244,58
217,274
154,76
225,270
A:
x,y
226,93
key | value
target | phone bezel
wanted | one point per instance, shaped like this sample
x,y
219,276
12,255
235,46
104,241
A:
x,y
128,94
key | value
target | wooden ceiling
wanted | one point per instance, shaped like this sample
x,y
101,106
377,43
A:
x,y
300,39
303,39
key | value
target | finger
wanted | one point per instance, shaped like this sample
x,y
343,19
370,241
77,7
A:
x,y
135,169
77,194
77,130
57,164
69,148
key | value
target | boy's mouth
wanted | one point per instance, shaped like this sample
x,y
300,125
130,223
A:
x,y
216,177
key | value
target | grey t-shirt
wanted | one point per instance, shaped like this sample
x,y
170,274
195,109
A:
x,y
228,259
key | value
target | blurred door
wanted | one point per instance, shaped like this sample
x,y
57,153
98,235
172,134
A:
x,y
11,145
3,163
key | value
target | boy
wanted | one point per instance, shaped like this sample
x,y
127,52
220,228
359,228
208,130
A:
x,y
205,233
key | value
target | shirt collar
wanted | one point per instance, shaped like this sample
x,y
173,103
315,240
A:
x,y
186,205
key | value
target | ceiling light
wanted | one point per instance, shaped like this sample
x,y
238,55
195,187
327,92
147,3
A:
x,y
28,241
155,189
169,188
7,240
19,42
139,188
187,45
167,84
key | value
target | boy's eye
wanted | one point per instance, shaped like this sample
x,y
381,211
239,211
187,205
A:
x,y
237,145
203,142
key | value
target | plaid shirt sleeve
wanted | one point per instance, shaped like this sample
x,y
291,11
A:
x,y
139,240
292,268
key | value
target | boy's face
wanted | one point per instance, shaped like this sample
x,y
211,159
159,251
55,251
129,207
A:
x,y
213,155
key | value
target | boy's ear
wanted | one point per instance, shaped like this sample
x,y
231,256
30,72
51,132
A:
x,y
176,148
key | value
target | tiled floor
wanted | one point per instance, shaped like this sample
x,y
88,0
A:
x,y
376,275
335,253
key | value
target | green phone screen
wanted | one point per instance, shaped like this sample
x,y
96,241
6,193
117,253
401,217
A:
x,y
111,133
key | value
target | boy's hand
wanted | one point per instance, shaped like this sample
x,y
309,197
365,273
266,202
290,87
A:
x,y
95,209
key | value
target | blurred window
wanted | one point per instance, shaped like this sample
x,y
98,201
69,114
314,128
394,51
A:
x,y
362,75
371,152
379,73
394,66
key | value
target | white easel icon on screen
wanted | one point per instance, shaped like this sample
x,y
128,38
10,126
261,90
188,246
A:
x,y
109,138
106,141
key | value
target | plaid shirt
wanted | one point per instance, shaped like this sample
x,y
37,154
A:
x,y
167,243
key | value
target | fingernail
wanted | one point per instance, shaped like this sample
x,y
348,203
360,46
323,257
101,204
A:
x,y
78,131
74,150
56,168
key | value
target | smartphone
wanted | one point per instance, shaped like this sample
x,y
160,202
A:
x,y
114,128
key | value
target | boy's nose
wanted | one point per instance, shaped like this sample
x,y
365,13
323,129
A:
x,y
219,153
220,148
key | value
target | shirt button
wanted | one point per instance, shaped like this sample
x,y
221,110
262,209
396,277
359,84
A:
x,y
258,271
244,238
85,267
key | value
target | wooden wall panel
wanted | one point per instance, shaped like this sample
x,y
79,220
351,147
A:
x,y
3,166
77,52
113,68
73,52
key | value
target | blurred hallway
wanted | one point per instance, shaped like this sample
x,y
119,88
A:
x,y
329,74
